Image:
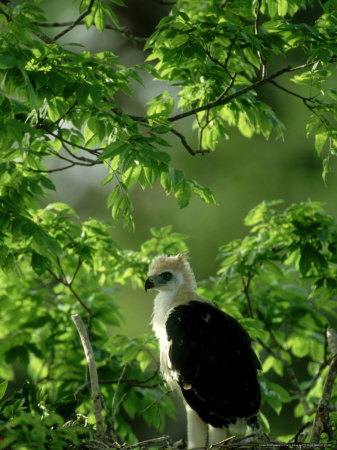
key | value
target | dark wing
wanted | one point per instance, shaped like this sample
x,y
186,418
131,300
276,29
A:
x,y
215,362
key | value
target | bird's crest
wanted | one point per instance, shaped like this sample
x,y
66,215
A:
x,y
177,262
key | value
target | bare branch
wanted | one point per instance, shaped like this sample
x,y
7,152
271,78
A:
x,y
58,169
186,145
89,354
122,30
288,91
76,22
322,421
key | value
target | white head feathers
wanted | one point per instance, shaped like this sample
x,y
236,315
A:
x,y
176,263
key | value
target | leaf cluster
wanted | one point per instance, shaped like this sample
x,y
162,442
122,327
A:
x,y
279,281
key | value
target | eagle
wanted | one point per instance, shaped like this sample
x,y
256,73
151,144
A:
x,y
205,355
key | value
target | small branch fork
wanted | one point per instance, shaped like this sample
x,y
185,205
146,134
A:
x,y
69,284
186,145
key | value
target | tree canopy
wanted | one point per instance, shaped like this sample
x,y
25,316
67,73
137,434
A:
x,y
61,102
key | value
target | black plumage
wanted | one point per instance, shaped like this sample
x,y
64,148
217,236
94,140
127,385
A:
x,y
215,363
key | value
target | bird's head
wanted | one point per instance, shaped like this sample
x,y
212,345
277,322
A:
x,y
169,273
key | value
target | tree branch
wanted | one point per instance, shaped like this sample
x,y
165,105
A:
x,y
186,145
58,169
257,84
76,22
89,354
322,421
122,30
62,139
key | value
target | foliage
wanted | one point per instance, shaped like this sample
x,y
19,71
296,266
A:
x,y
59,103
280,282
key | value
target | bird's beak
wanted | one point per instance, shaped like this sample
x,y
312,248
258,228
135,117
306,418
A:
x,y
149,283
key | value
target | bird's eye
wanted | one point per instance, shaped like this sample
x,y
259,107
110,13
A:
x,y
167,276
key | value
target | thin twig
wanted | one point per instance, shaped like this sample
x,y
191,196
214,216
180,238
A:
x,y
288,91
122,30
91,162
186,145
58,169
89,354
76,22
148,443
81,147
79,264
131,382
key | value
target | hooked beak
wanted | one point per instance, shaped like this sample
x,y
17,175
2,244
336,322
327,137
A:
x,y
149,284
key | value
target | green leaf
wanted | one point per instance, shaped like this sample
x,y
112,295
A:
x,y
100,21
161,106
183,193
282,7
3,388
176,175
131,175
119,2
7,61
332,93
166,181
204,193
310,257
320,140
114,149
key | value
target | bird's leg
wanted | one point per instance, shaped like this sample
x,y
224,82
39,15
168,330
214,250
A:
x,y
196,430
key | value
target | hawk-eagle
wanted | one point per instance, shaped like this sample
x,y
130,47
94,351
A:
x,y
205,354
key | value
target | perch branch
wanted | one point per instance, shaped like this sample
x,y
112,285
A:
x,y
322,421
149,443
89,355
